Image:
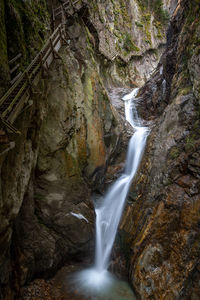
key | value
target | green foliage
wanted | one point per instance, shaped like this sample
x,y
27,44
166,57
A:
x,y
174,153
192,140
26,26
138,24
185,91
156,6
129,45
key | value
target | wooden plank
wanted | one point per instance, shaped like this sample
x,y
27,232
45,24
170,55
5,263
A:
x,y
52,47
47,53
56,42
10,126
76,2
9,108
19,106
7,94
45,57
15,78
14,69
59,13
55,36
66,2
33,74
49,59
15,58
57,8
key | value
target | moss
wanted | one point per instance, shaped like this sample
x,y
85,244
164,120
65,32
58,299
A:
x,y
26,25
156,7
147,18
174,153
129,45
148,42
185,90
148,35
190,143
192,140
138,24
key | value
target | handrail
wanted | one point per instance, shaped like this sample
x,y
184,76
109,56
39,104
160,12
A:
x,y
60,7
12,97
15,58
13,100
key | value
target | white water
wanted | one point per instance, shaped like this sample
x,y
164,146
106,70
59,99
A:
x,y
79,216
109,211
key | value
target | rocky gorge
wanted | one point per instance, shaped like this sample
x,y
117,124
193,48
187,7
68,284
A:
x,y
73,142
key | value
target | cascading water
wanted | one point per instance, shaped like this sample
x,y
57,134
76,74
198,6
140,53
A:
x,y
109,213
109,210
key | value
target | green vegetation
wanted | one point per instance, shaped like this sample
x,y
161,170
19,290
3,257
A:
x,y
26,26
192,140
174,153
156,6
138,24
129,45
185,91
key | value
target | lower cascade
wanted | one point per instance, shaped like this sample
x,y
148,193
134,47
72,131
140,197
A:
x,y
109,209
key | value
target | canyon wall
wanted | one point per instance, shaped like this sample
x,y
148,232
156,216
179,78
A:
x,y
70,134
161,223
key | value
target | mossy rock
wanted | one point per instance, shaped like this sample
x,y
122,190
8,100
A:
x,y
156,7
174,153
26,27
129,45
185,91
138,24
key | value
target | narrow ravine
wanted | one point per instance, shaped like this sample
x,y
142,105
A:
x,y
109,209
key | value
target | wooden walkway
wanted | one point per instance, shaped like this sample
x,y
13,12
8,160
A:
x,y
12,103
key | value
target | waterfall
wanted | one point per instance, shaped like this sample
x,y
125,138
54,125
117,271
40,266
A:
x,y
109,213
109,210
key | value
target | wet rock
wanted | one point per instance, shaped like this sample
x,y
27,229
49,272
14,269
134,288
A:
x,y
164,244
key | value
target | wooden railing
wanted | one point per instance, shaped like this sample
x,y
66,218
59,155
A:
x,y
14,65
59,12
13,101
11,104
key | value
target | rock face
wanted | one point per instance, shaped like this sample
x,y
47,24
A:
x,y
161,226
131,35
68,136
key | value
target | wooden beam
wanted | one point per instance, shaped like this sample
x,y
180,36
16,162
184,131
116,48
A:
x,y
59,13
10,126
14,69
15,58
20,85
15,78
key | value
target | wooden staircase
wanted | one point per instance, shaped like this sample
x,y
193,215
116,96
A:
x,y
12,103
